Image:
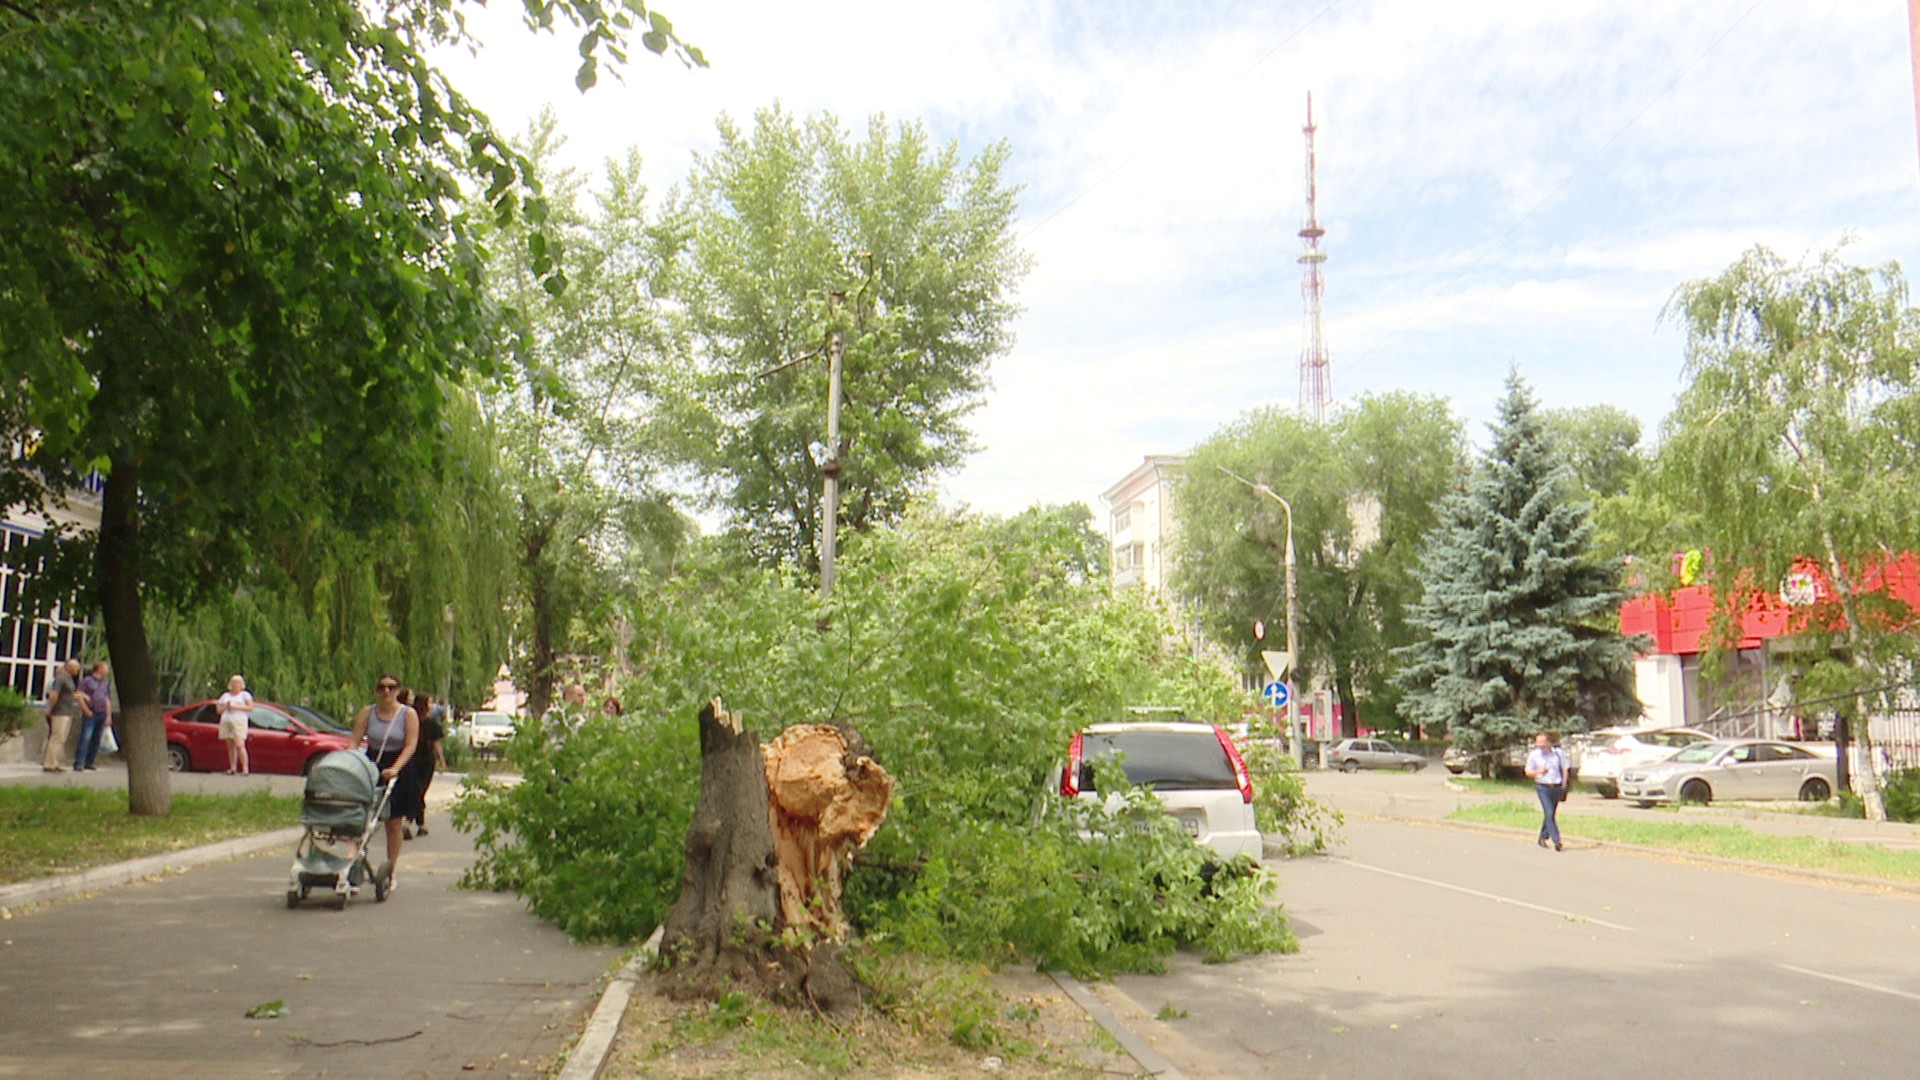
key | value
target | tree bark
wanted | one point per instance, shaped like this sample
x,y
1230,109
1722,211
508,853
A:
x,y
138,725
728,897
540,604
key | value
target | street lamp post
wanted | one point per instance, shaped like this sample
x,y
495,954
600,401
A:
x,y
1293,622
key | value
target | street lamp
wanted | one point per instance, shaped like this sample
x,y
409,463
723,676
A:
x,y
1293,622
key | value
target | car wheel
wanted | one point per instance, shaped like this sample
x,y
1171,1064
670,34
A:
x,y
1411,766
1643,804
1607,791
1456,770
1696,791
1349,766
307,769
177,759
1815,790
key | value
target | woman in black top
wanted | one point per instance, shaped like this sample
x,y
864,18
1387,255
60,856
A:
x,y
429,757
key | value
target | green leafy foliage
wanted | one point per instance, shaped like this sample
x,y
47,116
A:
x,y
965,651
1797,427
1516,617
921,244
1903,795
1364,487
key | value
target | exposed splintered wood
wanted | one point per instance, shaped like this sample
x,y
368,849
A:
x,y
824,801
772,834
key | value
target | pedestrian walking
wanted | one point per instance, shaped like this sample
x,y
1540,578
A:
x,y
389,732
236,709
1547,765
429,757
63,708
97,699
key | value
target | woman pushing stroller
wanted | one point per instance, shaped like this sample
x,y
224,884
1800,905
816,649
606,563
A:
x,y
390,731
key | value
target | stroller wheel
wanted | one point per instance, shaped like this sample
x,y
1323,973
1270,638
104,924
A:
x,y
293,897
340,901
380,889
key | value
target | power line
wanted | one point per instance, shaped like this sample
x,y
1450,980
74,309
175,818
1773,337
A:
x,y
1489,247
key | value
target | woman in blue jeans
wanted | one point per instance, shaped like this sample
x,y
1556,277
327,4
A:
x,y
1547,767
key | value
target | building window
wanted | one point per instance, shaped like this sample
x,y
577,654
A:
x,y
30,649
1121,519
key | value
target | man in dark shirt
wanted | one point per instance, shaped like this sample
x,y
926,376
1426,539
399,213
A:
x,y
63,705
96,698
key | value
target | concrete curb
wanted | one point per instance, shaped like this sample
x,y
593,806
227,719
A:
x,y
1129,1040
43,890
1831,877
589,1054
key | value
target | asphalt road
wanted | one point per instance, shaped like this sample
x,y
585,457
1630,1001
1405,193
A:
x,y
1433,952
154,979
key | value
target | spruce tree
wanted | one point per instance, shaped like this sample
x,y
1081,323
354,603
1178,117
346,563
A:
x,y
1516,619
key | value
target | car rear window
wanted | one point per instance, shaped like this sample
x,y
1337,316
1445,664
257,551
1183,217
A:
x,y
1164,760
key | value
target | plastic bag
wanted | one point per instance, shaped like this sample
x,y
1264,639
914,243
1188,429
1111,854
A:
x,y
109,744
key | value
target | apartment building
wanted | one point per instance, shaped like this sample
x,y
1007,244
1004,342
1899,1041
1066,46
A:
x,y
1141,524
30,648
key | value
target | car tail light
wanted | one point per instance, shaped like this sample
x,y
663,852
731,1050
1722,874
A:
x,y
1070,780
1240,777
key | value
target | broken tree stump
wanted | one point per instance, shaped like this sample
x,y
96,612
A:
x,y
772,835
728,898
824,801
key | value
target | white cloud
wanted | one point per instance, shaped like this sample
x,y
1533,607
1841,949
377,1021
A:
x,y
1503,182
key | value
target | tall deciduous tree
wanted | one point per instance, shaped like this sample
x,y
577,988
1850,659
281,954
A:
x,y
1514,614
226,214
1796,433
921,244
579,412
1364,488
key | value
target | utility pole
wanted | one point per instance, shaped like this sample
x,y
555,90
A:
x,y
1294,740
830,499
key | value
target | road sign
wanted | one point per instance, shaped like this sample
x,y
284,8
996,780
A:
x,y
1276,693
1278,663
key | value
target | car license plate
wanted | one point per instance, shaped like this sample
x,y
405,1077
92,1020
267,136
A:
x,y
1192,827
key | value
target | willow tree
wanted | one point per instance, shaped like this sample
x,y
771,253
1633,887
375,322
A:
x,y
1796,436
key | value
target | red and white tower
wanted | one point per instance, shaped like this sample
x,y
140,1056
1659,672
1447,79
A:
x,y
1316,380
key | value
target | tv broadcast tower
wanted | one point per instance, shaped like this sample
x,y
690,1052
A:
x,y
1316,383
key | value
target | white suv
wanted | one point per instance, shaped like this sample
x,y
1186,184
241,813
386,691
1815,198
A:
x,y
1193,769
484,729
1601,756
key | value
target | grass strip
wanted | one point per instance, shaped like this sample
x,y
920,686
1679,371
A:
x,y
61,830
1709,838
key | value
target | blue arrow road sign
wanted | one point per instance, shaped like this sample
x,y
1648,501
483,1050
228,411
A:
x,y
1276,693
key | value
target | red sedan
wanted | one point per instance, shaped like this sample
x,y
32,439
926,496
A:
x,y
277,742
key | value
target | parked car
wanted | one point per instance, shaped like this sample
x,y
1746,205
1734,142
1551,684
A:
x,y
1505,761
1602,756
277,741
484,729
1733,769
1192,768
314,718
1352,755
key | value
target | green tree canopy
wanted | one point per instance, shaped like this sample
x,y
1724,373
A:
x,y
1517,622
920,242
1798,428
1364,488
237,280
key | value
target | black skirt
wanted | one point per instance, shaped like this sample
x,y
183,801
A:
x,y
408,799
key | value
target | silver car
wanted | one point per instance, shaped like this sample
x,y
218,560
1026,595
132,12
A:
x,y
1194,769
1352,755
1734,769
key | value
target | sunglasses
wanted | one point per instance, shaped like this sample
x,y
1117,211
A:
x,y
386,686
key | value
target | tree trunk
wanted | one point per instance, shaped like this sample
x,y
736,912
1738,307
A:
x,y
540,604
1349,708
138,725
770,840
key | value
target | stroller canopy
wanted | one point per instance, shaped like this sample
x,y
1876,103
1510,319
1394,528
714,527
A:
x,y
344,776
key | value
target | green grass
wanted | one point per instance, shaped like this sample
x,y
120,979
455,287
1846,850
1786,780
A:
x,y
52,830
1707,838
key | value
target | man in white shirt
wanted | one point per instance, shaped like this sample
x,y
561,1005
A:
x,y
1547,766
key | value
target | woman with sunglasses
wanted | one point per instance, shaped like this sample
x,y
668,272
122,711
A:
x,y
389,732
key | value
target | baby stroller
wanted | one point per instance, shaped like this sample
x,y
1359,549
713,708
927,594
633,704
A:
x,y
343,804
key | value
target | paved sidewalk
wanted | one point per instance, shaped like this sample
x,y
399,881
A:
x,y
1428,796
155,978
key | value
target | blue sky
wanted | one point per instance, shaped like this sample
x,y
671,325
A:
x,y
1502,183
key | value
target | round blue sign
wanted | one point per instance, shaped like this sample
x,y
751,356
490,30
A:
x,y
1276,693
